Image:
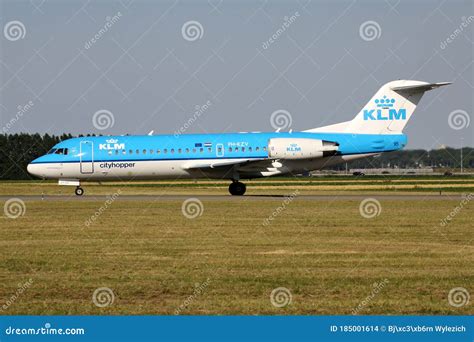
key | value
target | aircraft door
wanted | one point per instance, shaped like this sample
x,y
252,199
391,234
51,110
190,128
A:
x,y
87,157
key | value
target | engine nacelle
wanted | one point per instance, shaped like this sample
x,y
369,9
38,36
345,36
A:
x,y
300,148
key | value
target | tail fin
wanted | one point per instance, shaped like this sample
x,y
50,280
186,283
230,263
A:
x,y
388,111
391,107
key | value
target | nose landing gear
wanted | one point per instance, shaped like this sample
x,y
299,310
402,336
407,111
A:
x,y
237,188
79,191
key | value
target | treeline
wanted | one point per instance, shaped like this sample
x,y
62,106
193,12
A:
x,y
445,158
17,150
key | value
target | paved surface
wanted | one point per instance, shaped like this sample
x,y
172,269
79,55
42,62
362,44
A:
x,y
171,197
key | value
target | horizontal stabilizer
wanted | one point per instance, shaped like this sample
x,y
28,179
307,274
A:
x,y
420,87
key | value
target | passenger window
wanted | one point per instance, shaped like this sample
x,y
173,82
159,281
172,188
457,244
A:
x,y
172,150
158,151
110,152
194,150
144,151
243,149
250,149
151,151
124,152
209,149
264,148
236,149
137,151
257,148
130,151
179,150
116,151
187,150
230,149
165,150
219,149
201,150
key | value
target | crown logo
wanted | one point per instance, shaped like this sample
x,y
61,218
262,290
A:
x,y
111,141
384,102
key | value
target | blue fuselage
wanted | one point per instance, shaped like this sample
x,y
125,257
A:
x,y
222,156
205,146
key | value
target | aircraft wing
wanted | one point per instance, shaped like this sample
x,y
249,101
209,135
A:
x,y
217,164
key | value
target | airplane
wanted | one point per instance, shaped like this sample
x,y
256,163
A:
x,y
377,128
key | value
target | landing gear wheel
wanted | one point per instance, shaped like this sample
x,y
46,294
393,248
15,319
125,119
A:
x,y
79,191
237,188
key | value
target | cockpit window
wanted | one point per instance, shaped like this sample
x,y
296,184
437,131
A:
x,y
63,151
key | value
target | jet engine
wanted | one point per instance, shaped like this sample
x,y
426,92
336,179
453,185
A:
x,y
300,148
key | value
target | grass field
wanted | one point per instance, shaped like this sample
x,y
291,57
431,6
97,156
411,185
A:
x,y
331,259
279,186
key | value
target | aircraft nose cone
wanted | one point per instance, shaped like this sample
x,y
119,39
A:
x,y
33,169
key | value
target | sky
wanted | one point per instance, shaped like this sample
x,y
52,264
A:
x,y
133,66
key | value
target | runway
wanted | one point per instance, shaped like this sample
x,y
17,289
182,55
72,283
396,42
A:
x,y
229,198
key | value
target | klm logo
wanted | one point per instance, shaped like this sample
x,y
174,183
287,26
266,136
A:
x,y
385,111
293,148
111,144
379,114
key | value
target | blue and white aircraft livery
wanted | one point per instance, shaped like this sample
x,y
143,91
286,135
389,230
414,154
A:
x,y
377,128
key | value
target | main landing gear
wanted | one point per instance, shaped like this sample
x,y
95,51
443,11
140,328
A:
x,y
237,189
79,191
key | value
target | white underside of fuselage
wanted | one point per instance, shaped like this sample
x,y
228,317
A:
x,y
170,169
